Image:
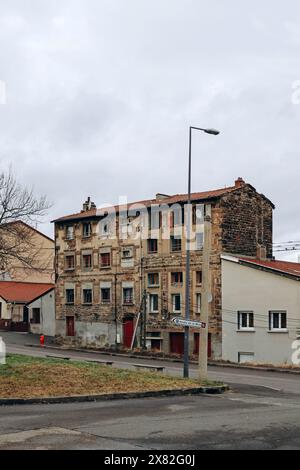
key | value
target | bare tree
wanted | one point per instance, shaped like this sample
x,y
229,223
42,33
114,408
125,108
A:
x,y
19,208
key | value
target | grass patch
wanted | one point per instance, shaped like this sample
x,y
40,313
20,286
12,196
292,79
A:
x,y
31,377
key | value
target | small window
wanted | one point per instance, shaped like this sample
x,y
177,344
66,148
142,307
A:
x,y
152,245
153,279
70,232
127,253
176,303
105,295
105,260
277,321
87,230
175,244
199,278
199,241
245,320
87,296
36,316
69,262
87,262
154,219
177,279
70,296
153,300
176,217
198,303
128,296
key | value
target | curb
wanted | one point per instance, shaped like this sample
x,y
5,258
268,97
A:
x,y
166,359
115,396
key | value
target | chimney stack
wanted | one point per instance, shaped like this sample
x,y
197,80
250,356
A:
x,y
88,205
239,182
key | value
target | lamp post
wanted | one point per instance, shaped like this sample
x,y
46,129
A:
x,y
188,235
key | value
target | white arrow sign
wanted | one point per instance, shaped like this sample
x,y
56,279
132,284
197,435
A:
x,y
190,323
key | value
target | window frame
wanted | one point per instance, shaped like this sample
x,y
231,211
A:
x,y
175,240
150,241
103,301
151,309
67,268
179,283
131,301
33,319
87,268
84,302
249,313
67,232
153,284
102,265
174,310
87,234
66,296
281,313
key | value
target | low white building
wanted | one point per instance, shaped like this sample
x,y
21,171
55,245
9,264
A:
x,y
27,307
42,314
260,310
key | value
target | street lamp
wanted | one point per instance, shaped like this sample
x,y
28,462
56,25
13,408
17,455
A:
x,y
187,269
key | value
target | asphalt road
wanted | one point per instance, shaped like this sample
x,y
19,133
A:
x,y
262,411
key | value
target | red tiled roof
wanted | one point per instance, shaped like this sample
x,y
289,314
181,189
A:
x,y
23,292
148,202
276,265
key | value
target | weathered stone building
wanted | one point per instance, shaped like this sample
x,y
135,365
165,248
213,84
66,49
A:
x,y
105,265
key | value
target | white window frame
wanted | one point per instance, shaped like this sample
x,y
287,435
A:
x,y
70,235
174,303
89,232
151,298
123,297
239,320
271,320
199,238
153,285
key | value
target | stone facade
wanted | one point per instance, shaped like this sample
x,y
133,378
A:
x,y
241,224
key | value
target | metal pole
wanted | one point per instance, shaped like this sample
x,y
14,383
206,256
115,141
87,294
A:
x,y
187,269
116,314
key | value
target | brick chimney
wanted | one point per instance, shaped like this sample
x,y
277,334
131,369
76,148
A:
x,y
239,182
161,196
88,205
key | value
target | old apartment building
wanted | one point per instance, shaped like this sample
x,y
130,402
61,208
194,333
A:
x,y
103,276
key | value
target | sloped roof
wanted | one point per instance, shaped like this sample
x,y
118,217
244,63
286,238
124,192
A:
x,y
199,196
276,266
23,292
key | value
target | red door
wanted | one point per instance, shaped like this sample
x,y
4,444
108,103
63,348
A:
x,y
196,344
177,343
128,329
70,321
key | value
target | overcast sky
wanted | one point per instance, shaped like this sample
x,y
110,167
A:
x,y
100,94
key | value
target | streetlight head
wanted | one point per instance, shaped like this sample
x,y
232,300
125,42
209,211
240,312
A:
x,y
212,131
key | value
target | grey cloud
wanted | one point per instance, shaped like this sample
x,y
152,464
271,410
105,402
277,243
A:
x,y
101,94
